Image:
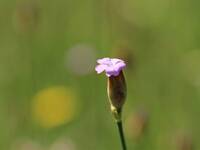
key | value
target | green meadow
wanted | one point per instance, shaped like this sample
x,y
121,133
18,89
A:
x,y
51,98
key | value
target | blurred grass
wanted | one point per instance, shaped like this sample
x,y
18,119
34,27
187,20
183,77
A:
x,y
164,79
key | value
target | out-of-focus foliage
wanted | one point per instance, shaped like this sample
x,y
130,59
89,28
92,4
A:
x,y
51,98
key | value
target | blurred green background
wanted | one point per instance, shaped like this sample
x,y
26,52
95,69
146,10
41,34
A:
x,y
51,97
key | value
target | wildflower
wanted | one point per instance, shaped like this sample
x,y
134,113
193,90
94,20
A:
x,y
116,89
116,86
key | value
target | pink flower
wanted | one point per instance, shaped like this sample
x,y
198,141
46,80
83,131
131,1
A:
x,y
111,66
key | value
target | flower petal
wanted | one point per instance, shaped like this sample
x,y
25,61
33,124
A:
x,y
119,66
100,68
116,60
105,61
110,71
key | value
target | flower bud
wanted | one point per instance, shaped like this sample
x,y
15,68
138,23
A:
x,y
116,89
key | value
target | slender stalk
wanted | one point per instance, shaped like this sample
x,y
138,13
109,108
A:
x,y
121,133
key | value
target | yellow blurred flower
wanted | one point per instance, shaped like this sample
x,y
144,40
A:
x,y
54,106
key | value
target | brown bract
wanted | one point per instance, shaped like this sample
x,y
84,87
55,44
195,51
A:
x,y
117,90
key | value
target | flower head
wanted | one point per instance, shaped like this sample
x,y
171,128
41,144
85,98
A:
x,y
112,66
116,86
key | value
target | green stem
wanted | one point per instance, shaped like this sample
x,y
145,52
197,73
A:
x,y
121,133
